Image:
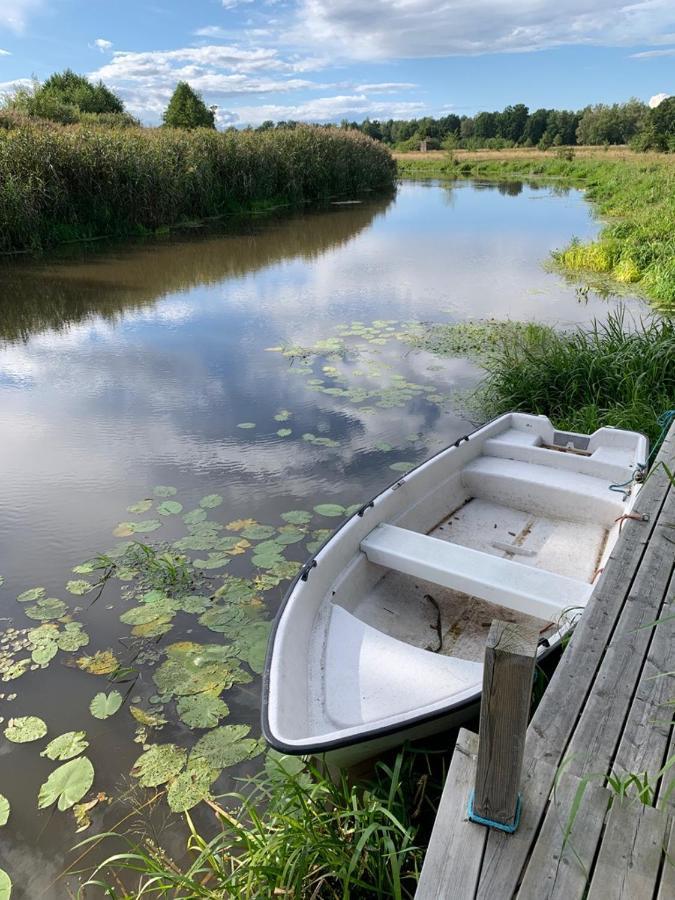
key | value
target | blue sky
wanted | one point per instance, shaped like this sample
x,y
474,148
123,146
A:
x,y
324,60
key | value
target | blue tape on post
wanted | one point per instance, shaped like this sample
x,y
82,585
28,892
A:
x,y
479,820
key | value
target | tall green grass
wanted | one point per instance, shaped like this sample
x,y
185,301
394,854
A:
x,y
296,834
64,183
634,195
615,373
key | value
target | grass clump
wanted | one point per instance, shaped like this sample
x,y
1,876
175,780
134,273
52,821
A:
x,y
65,183
613,373
633,193
295,833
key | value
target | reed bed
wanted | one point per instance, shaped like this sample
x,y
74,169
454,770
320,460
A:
x,y
68,183
616,373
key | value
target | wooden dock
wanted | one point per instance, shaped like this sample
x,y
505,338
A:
x,y
608,710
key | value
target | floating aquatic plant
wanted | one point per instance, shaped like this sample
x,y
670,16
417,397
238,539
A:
x,y
105,705
67,785
25,729
67,745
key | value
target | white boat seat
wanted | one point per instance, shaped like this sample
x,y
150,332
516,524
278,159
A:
x,y
514,585
543,490
372,677
606,464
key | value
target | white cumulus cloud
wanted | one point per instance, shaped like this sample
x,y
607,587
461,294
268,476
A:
x,y
146,80
5,53
657,99
102,44
427,28
329,109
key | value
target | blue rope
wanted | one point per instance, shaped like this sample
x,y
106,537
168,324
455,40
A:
x,y
664,420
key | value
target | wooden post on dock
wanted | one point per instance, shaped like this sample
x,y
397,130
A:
x,y
510,655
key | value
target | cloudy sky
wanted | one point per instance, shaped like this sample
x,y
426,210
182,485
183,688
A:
x,y
324,60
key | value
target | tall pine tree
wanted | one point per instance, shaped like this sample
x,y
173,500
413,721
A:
x,y
186,109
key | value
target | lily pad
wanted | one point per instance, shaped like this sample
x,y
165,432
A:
x,y
246,425
67,745
227,746
5,885
284,432
145,717
31,595
402,466
44,653
210,501
4,810
195,516
192,668
68,784
165,490
297,517
258,532
330,510
79,587
147,526
46,609
290,534
72,638
141,507
158,764
25,729
202,710
283,415
170,508
103,662
105,705
240,524
192,786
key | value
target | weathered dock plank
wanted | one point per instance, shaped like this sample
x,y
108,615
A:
x,y
454,839
629,861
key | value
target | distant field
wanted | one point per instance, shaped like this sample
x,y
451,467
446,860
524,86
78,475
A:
x,y
532,153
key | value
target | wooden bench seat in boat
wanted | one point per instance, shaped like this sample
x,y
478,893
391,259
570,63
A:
x,y
514,585
370,676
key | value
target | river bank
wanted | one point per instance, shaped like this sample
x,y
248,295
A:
x,y
60,184
633,193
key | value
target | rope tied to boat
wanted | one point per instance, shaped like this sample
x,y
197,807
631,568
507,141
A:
x,y
665,420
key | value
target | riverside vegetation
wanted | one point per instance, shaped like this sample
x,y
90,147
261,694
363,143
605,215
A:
x,y
634,194
78,182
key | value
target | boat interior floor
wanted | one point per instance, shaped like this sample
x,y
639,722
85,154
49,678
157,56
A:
x,y
445,621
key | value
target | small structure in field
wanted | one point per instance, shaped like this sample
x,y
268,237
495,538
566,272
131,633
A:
x,y
423,146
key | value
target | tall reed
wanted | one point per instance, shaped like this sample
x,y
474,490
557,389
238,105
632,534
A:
x,y
296,834
616,372
61,183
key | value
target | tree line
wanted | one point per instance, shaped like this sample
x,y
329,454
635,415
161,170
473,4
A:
x,y
632,122
67,97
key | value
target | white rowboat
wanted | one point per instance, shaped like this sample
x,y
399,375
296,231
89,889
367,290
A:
x,y
381,637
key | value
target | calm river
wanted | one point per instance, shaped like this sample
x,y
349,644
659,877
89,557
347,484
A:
x,y
151,376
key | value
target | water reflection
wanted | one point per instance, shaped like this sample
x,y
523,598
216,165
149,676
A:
x,y
51,295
